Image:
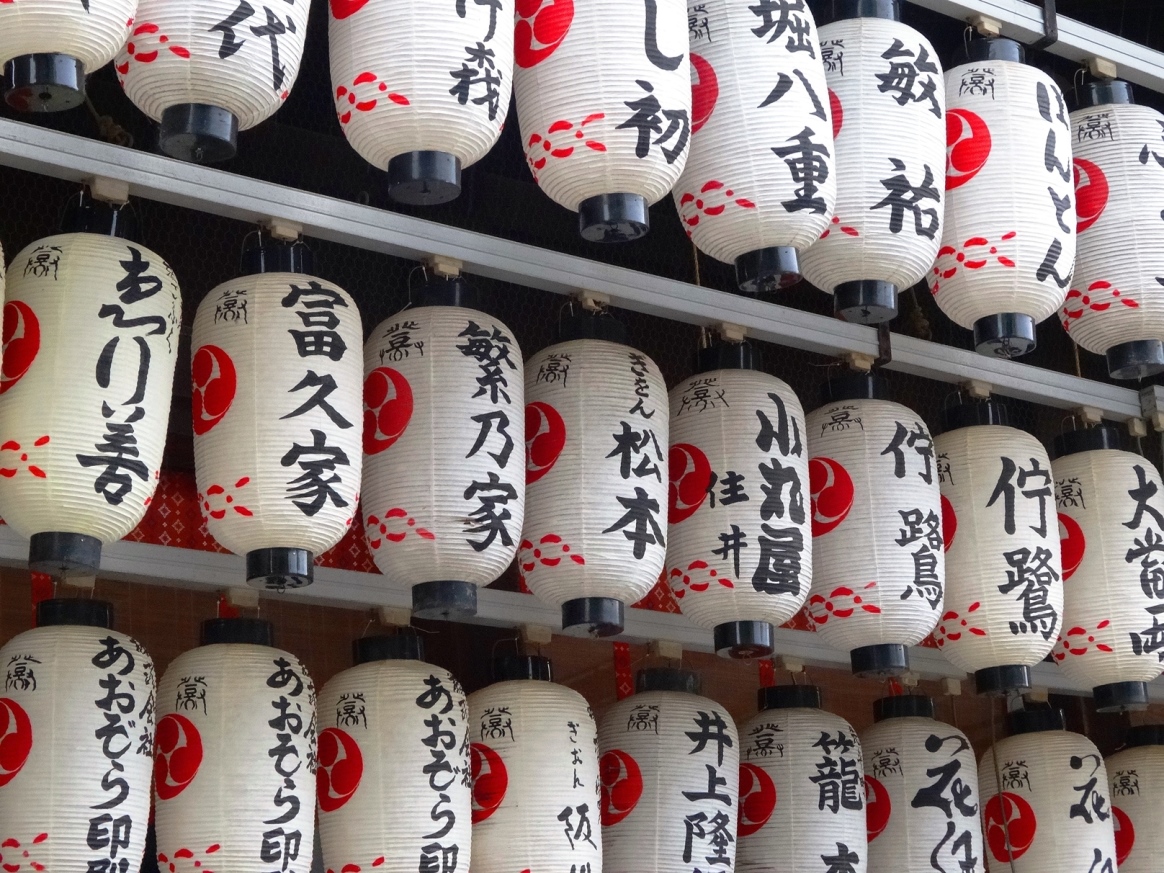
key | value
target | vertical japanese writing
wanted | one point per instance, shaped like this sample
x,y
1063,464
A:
x,y
911,77
478,72
838,773
954,798
648,115
439,855
1060,185
912,450
715,832
274,28
780,548
1147,548
293,728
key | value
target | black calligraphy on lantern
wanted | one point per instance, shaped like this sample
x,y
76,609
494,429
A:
x,y
977,82
808,169
643,717
953,796
911,77
922,533
1147,549
779,550
575,759
1069,492
727,489
840,419
273,28
784,85
19,673
397,342
496,724
701,395
832,56
1015,776
576,825
764,741
903,196
555,368
917,444
1060,185
231,306
1031,576
885,762
1090,804
43,262
351,710
191,694
292,728
844,861
1148,152
698,23
1093,127
1030,483
778,18
648,117
710,824
478,79
440,855
838,773
1125,783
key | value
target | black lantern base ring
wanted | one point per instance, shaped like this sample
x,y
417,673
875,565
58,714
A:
x,y
60,553
280,569
444,600
1001,680
424,178
593,616
866,301
768,269
1121,697
886,659
74,611
613,218
405,645
743,639
51,82
1006,335
1136,359
198,133
245,631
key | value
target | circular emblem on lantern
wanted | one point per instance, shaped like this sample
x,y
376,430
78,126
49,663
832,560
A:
x,y
621,786
1072,544
832,490
838,112
1091,192
341,766
545,437
341,9
178,755
21,342
690,475
214,384
1125,834
878,808
540,28
704,91
949,523
1009,823
490,781
387,408
15,739
757,798
967,146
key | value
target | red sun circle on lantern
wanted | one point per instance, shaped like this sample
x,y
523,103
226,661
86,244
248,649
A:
x,y
21,342
540,28
15,739
387,408
341,9
757,798
967,146
1125,834
215,382
949,523
878,808
490,781
1010,826
1091,192
545,437
341,766
838,112
690,474
832,491
178,755
621,786
1072,543
704,91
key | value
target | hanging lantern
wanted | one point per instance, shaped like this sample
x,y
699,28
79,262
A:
x,y
740,553
76,736
235,754
884,78
1137,777
596,425
670,778
801,796
878,565
394,762
421,90
443,494
604,96
1008,246
922,786
759,185
535,773
1004,607
1111,515
91,324
1116,305
276,408
1045,805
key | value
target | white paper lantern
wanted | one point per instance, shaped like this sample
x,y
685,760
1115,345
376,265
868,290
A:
x,y
394,772
740,552
670,779
925,780
90,343
596,472
1116,302
207,70
802,799
444,429
604,97
76,743
888,108
276,373
421,89
535,770
1111,516
234,769
759,185
1045,803
1004,594
1137,778
878,565
1008,247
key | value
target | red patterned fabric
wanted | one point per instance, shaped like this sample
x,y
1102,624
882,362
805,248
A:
x,y
767,672
624,683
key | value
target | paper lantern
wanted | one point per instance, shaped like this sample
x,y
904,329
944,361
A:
x,y
444,493
1137,777
922,786
207,70
888,108
802,801
536,804
1008,246
421,90
1116,305
740,555
604,97
236,756
1004,594
92,324
596,473
1045,804
878,566
1111,519
276,375
48,48
394,773
759,185
76,739
670,778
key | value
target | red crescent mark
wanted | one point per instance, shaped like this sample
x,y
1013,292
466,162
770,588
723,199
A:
x,y
967,146
949,523
177,756
621,786
1091,192
757,799
387,408
690,475
214,384
1072,543
1125,835
341,766
832,492
341,9
490,781
21,342
15,739
878,808
838,112
545,437
704,91
1010,826
540,28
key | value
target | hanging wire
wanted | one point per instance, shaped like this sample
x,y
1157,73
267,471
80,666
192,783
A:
x,y
108,129
695,259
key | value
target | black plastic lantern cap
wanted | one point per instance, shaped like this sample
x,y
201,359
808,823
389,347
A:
x,y
1006,335
973,413
854,386
886,659
593,616
50,82
667,679
1029,721
1090,439
903,706
510,667
613,218
246,631
278,256
447,291
1136,360
86,613
728,356
198,133
768,269
86,215
743,639
1144,735
999,681
424,178
995,48
591,325
868,301
444,600
890,10
788,697
60,553
1101,92
405,645
1121,697
279,569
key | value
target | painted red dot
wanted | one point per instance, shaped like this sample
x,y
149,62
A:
x,y
1091,639
537,553
577,134
698,204
565,548
352,98
24,457
130,48
229,499
411,522
546,145
828,607
961,257
993,250
712,573
383,528
1086,300
164,39
1115,293
383,86
729,193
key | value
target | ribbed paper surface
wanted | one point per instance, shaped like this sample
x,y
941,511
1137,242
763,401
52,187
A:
x,y
93,33
1137,776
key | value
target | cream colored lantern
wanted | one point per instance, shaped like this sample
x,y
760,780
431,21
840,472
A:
x,y
1137,775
